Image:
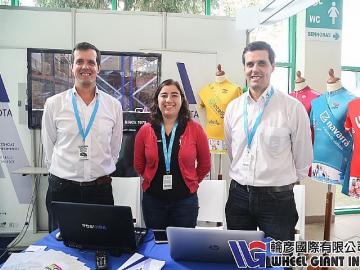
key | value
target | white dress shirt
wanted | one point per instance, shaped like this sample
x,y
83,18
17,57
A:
x,y
281,150
61,136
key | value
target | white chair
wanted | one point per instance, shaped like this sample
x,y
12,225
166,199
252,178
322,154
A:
x,y
212,196
299,195
127,192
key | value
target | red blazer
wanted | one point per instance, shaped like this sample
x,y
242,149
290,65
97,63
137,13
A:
x,y
194,147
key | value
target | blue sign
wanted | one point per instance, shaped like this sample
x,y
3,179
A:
x,y
325,14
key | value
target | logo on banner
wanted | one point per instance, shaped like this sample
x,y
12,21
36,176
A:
x,y
248,256
4,112
3,95
188,89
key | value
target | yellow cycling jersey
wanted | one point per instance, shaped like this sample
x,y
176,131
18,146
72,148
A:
x,y
215,97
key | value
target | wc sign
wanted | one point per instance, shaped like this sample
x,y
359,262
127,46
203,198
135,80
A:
x,y
324,20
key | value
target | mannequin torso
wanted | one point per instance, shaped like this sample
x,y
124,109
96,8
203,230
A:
x,y
352,125
214,98
332,145
299,86
303,92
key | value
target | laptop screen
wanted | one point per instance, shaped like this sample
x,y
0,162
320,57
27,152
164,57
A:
x,y
96,226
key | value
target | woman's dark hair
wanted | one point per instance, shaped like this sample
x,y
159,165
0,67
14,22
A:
x,y
184,113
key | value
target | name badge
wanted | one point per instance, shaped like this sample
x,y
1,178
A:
x,y
167,182
246,159
83,152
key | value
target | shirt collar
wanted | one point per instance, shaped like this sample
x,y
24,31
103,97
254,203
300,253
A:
x,y
73,91
261,99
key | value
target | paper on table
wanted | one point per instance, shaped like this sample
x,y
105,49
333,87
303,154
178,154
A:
x,y
134,258
33,248
148,264
42,259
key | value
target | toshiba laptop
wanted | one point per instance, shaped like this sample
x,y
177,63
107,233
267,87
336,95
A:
x,y
100,227
206,245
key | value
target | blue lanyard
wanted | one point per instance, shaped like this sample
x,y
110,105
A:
x,y
76,111
167,151
250,136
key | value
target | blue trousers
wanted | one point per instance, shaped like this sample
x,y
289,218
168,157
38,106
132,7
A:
x,y
159,214
272,212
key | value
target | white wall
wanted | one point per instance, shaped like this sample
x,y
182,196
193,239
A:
x,y
26,28
115,31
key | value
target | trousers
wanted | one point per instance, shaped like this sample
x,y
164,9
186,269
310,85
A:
x,y
274,213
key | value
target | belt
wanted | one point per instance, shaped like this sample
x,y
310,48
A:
x,y
103,180
263,189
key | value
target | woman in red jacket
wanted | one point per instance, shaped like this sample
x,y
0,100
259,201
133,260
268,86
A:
x,y
171,153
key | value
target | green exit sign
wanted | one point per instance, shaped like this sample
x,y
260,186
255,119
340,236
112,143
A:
x,y
325,14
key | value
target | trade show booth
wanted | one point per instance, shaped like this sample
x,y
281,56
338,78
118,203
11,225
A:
x,y
138,51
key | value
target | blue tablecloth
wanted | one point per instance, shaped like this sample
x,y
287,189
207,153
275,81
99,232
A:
x,y
149,249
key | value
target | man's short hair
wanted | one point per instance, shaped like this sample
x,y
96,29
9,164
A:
x,y
83,46
259,46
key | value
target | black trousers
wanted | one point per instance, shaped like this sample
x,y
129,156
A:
x,y
67,191
273,212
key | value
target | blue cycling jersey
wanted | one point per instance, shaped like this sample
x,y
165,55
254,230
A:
x,y
332,144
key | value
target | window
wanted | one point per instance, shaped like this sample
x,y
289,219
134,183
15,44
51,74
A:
x,y
350,58
5,2
281,37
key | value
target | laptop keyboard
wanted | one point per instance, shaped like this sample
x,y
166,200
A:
x,y
139,235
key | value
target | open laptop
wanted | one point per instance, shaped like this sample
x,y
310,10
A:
x,y
206,245
100,227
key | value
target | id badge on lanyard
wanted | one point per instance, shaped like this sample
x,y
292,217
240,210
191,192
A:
x,y
248,156
83,152
246,159
167,178
167,182
83,148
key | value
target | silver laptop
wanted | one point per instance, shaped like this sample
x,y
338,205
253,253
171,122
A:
x,y
206,245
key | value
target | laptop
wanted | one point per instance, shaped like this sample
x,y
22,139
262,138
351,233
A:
x,y
100,227
206,245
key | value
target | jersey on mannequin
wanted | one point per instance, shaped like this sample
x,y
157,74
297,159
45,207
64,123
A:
x,y
214,98
332,144
352,124
305,95
303,92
